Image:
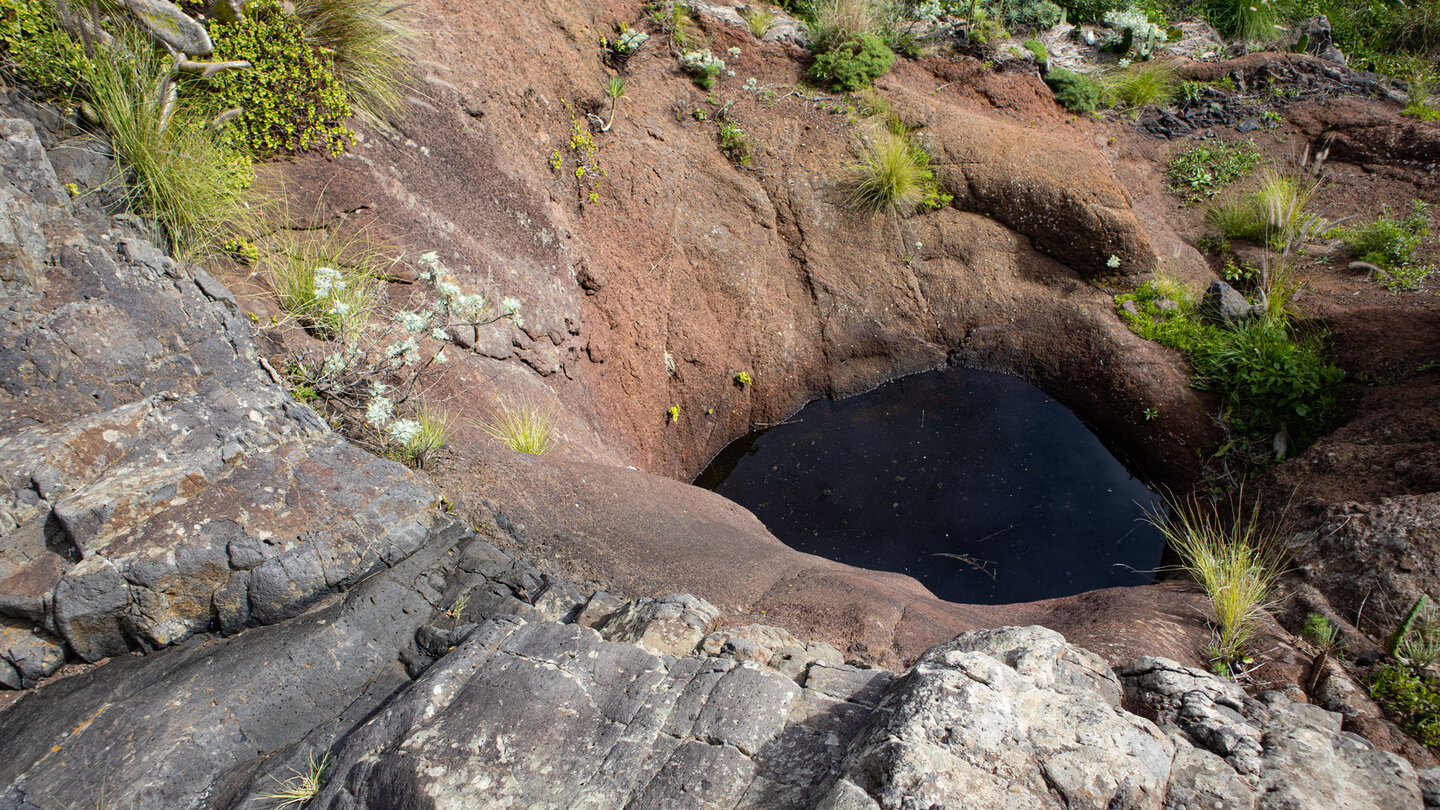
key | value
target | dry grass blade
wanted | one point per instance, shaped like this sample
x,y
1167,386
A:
x,y
301,788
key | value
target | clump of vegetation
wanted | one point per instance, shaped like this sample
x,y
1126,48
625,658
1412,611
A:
x,y
1041,14
758,20
418,439
1237,216
327,296
180,169
614,89
894,174
1236,563
854,63
1255,21
366,42
1412,700
1271,377
1320,632
1203,171
35,48
1075,92
743,379
1140,86
832,22
735,143
1038,50
703,66
303,786
523,426
1390,243
292,98
1387,36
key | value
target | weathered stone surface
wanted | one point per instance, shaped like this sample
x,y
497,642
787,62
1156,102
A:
x,y
154,482
773,647
1009,718
674,624
27,655
1224,304
1291,755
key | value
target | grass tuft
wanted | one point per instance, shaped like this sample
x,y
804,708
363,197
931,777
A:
x,y
328,284
368,42
894,174
758,20
302,788
524,427
417,440
1139,86
181,172
1235,562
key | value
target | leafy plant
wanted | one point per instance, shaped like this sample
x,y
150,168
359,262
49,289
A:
x,y
180,169
417,440
367,42
35,48
523,426
292,99
1412,700
703,66
735,143
854,63
301,788
328,284
615,91
1075,92
742,379
1033,14
672,414
1390,243
1236,563
1202,171
1270,377
894,174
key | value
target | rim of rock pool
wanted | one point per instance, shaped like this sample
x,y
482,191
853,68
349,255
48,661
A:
x,y
1005,496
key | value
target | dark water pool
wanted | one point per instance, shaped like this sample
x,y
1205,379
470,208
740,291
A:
x,y
953,462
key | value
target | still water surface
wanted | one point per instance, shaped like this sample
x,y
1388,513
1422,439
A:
x,y
953,462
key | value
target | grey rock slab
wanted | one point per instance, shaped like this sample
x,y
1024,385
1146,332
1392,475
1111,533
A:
x,y
674,624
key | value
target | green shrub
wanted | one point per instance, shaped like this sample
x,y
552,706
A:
x,y
180,170
1037,49
366,41
1270,378
35,49
1092,11
292,99
703,66
1202,171
1237,216
894,174
1033,14
1388,36
1075,92
735,143
1389,242
854,63
1413,701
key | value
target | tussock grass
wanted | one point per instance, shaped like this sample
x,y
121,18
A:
x,y
836,21
1237,216
1139,86
423,436
302,788
329,284
1236,563
1257,21
758,20
180,171
368,42
523,426
894,174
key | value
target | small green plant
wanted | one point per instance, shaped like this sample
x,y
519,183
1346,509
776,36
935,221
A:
x,y
1031,14
522,426
742,379
328,284
1037,49
1203,171
1236,563
615,91
1389,243
242,250
1410,699
1150,413
1076,92
894,174
673,19
702,66
180,169
831,22
35,48
735,143
672,414
1320,632
1237,216
292,98
1271,119
301,788
758,20
416,440
854,63
366,41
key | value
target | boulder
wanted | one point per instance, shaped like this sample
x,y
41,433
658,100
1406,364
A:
x,y
1224,305
1013,718
670,625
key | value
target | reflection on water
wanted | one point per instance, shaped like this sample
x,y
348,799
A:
x,y
977,484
